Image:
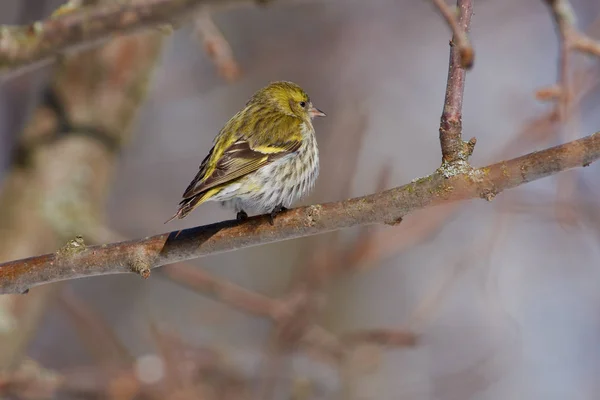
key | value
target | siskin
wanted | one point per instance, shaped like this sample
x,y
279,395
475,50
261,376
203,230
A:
x,y
265,157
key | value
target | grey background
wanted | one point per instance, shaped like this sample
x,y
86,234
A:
x,y
521,323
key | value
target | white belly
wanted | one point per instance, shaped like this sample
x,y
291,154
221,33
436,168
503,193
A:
x,y
281,183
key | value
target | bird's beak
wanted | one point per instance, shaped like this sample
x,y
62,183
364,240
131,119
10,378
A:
x,y
315,112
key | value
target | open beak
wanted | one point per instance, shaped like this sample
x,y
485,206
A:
x,y
315,112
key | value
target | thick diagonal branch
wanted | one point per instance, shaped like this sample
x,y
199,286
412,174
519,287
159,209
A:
x,y
384,207
453,147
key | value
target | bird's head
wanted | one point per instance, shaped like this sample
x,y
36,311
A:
x,y
288,98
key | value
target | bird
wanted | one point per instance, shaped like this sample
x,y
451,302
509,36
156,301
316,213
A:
x,y
264,159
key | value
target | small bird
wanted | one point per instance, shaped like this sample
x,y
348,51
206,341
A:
x,y
263,159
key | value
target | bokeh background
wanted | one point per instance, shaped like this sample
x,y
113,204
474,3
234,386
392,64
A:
x,y
503,297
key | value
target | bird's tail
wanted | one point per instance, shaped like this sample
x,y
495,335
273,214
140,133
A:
x,y
188,205
185,207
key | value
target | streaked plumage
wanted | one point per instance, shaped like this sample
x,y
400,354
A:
x,y
265,157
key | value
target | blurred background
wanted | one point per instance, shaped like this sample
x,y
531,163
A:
x,y
471,301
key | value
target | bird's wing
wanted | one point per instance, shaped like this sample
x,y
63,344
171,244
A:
x,y
239,159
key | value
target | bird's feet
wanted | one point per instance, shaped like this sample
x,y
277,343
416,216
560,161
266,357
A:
x,y
241,215
279,208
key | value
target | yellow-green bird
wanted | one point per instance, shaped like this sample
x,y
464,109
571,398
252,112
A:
x,y
265,157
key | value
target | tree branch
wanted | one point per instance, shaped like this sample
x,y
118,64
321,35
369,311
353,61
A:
x,y
571,37
453,147
22,46
571,41
585,44
225,291
383,337
95,334
385,207
460,38
216,46
564,16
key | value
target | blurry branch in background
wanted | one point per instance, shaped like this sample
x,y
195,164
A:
x,y
543,129
97,336
564,18
571,41
177,370
236,296
216,46
30,381
75,27
139,256
455,152
460,29
566,21
585,44
188,372
382,337
63,165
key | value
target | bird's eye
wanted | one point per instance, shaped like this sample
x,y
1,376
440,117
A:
x,y
302,104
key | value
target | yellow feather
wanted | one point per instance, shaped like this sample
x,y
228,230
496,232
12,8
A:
x,y
207,195
270,149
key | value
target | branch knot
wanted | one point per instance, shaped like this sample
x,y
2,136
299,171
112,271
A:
x,y
140,264
73,246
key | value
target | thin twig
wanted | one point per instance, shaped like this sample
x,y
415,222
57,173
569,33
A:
x,y
570,39
454,149
585,44
96,334
563,16
381,337
384,207
460,38
216,46
226,292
